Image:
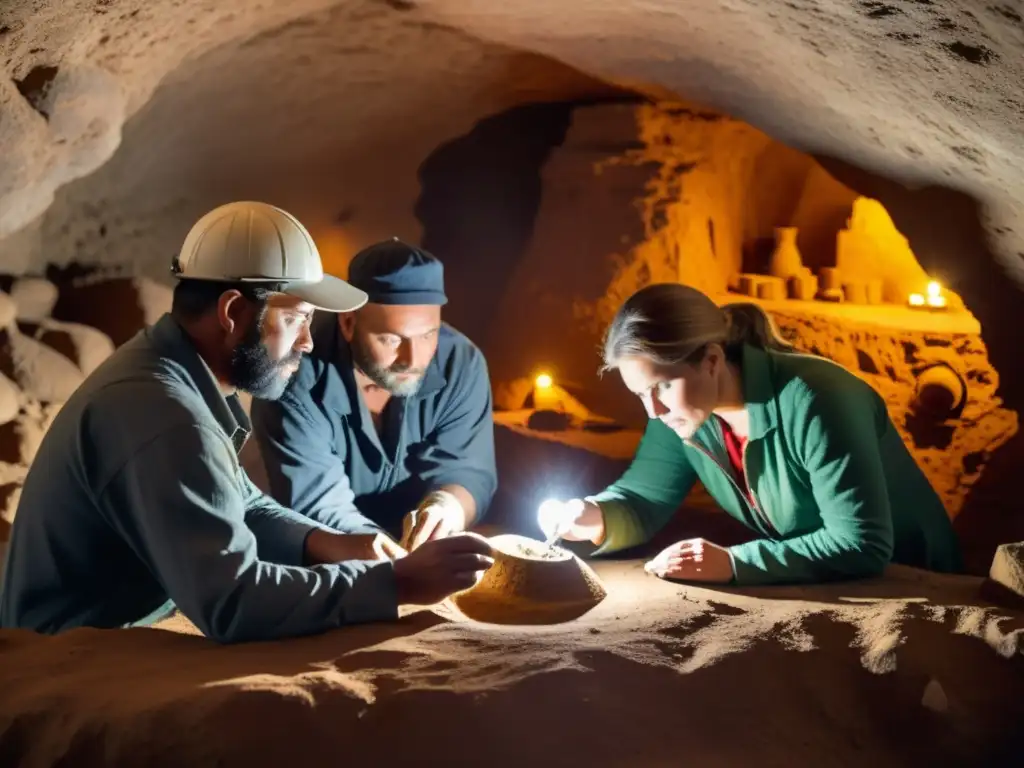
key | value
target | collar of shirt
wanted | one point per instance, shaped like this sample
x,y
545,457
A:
x,y
170,338
330,346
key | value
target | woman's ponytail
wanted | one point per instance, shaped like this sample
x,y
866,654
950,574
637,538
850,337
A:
x,y
749,324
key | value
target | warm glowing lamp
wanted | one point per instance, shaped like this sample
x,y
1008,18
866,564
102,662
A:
x,y
935,297
932,298
546,396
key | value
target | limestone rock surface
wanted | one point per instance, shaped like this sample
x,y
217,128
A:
x,y
34,297
1008,568
925,92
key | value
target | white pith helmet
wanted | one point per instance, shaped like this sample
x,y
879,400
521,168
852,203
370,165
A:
x,y
251,242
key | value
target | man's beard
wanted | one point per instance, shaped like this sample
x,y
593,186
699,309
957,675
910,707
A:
x,y
387,378
255,372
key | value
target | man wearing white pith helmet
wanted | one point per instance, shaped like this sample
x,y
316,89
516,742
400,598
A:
x,y
136,503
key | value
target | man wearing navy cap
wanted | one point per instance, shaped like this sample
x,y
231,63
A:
x,y
387,425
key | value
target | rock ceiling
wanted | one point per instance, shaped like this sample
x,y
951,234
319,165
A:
x,y
927,92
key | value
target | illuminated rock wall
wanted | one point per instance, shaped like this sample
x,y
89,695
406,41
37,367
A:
x,y
952,453
698,198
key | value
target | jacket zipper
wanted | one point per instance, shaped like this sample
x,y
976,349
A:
x,y
761,514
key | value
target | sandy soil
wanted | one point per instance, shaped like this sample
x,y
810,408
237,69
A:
x,y
907,669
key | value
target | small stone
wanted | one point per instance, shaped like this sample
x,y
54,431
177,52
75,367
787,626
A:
x,y
10,399
8,310
86,347
34,298
41,372
1008,567
934,697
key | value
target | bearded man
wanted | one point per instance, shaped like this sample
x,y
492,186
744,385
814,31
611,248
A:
x,y
136,503
388,424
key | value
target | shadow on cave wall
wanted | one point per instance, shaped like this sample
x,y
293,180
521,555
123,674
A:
x,y
479,200
946,234
480,196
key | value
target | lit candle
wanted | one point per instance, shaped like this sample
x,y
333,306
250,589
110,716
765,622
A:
x,y
935,297
932,298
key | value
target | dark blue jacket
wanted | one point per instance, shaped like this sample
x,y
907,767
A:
x,y
136,503
324,457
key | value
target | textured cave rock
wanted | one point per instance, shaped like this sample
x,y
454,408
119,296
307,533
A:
x,y
42,361
1008,569
924,92
121,123
329,115
953,453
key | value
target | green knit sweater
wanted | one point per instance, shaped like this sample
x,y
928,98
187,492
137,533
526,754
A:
x,y
836,493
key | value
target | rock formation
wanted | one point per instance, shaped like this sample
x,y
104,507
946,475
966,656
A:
x,y
562,155
654,671
42,361
1008,570
952,451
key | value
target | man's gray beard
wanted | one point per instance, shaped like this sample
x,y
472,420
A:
x,y
385,378
390,381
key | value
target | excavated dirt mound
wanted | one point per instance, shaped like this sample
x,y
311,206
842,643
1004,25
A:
x,y
531,583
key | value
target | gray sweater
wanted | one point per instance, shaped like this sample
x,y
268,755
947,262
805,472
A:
x,y
136,503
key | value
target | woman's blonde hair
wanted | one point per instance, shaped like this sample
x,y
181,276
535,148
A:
x,y
671,323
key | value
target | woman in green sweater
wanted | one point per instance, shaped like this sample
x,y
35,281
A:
x,y
793,446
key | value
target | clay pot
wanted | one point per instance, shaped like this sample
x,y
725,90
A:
x,y
831,279
531,583
786,260
748,284
771,289
856,291
802,287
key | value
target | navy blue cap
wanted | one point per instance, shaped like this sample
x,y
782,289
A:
x,y
393,272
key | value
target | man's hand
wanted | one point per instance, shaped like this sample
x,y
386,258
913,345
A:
x,y
439,515
440,568
693,560
327,547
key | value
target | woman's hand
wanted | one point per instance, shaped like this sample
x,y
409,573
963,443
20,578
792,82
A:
x,y
693,560
573,520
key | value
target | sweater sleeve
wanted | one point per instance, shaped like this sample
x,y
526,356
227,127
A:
x,y
835,436
648,494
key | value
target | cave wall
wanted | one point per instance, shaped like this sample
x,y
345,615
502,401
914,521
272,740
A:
x,y
53,335
627,200
952,452
329,115
588,217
